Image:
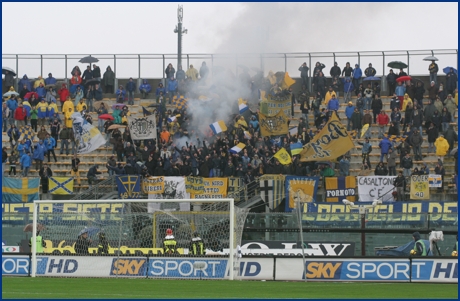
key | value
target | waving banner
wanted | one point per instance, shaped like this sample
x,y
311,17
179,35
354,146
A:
x,y
274,125
300,189
87,137
142,127
331,142
419,188
372,188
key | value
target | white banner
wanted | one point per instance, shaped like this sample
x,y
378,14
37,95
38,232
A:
x,y
174,189
87,137
142,127
372,188
434,180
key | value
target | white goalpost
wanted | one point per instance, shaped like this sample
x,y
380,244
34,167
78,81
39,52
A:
x,y
148,238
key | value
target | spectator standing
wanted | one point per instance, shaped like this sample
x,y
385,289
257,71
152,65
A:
x,y
335,70
433,91
66,135
204,71
367,119
400,91
180,75
396,117
391,79
39,154
20,115
451,137
357,74
344,165
442,147
368,97
445,119
433,69
451,81
439,170
50,144
347,72
384,146
26,163
347,89
381,170
391,160
407,165
121,94
360,103
87,75
370,71
75,163
304,74
169,72
192,74
96,72
416,141
13,159
45,174
451,106
365,151
432,133
349,109
130,89
400,183
377,106
172,88
382,121
108,80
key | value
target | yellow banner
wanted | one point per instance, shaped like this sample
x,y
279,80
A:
x,y
270,105
331,142
214,188
153,185
419,188
274,125
60,185
194,185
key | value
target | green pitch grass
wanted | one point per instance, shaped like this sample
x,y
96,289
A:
x,y
103,288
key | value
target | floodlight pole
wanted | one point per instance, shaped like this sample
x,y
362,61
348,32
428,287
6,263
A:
x,y
362,212
179,31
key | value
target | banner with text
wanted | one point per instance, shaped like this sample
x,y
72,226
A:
x,y
372,188
153,185
214,188
419,189
194,185
340,188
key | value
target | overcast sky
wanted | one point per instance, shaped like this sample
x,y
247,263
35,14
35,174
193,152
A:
x,y
147,28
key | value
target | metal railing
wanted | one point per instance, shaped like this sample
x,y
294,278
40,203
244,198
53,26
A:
x,y
98,190
153,65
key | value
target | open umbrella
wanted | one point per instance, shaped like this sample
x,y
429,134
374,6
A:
x,y
153,105
447,70
4,69
91,231
29,95
454,151
29,227
8,94
371,78
106,117
403,78
88,60
397,65
92,82
120,105
116,126
50,86
431,58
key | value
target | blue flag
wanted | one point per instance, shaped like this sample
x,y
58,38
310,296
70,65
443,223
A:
x,y
129,187
23,190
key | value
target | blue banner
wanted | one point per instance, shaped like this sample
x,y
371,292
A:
x,y
129,187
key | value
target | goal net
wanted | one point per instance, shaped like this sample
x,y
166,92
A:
x,y
191,239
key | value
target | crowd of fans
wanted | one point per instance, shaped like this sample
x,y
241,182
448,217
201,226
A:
x,y
183,149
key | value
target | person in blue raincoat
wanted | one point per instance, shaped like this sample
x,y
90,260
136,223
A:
x,y
172,88
50,80
22,148
357,74
25,81
116,115
50,143
39,154
385,146
41,90
121,93
333,104
26,163
12,105
145,88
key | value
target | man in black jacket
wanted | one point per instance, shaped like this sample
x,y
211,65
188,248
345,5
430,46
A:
x,y
399,183
92,175
304,74
335,71
391,79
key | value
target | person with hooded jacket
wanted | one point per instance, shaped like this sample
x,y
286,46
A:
x,y
370,71
145,89
39,154
25,81
92,175
442,147
108,80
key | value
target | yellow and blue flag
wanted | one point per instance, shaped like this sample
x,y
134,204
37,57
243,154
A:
x,y
296,148
242,105
129,187
23,190
26,133
179,102
61,185
300,189
218,127
339,188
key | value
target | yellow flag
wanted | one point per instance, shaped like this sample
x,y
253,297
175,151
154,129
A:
x,y
364,130
271,77
273,125
287,81
283,156
331,142
419,188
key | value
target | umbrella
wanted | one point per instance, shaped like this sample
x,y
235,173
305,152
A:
x,y
153,105
4,69
97,104
323,163
50,86
92,82
116,126
397,65
88,60
8,94
91,231
431,58
106,116
403,78
29,95
29,227
447,70
118,105
454,151
371,78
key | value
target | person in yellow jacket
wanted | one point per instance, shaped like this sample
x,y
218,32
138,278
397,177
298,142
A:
x,y
192,73
243,123
81,106
406,101
39,81
328,95
68,117
67,104
442,147
42,109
